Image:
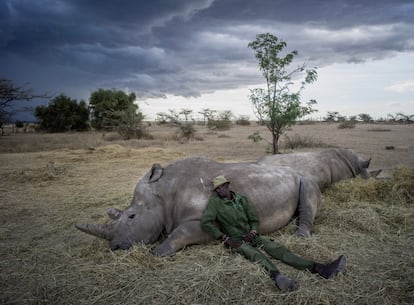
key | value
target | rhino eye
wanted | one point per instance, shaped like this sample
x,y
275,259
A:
x,y
131,216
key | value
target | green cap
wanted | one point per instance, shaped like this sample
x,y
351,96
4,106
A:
x,y
219,180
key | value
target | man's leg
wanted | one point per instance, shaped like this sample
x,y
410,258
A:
x,y
255,255
283,254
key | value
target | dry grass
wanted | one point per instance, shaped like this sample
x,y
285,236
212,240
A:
x,y
44,260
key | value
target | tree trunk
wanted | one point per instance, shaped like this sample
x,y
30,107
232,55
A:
x,y
275,144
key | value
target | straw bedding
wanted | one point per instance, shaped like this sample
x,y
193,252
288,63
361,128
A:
x,y
44,260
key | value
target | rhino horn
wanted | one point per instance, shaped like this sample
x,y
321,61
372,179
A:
x,y
102,231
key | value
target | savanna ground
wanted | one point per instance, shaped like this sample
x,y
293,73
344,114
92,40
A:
x,y
49,182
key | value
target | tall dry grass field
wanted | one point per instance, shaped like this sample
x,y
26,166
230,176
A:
x,y
49,182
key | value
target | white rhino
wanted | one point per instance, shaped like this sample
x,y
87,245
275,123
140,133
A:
x,y
170,201
323,167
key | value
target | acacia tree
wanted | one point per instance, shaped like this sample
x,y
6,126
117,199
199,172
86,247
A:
x,y
365,117
9,94
186,113
335,116
276,106
207,114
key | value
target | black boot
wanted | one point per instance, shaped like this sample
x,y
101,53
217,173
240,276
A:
x,y
283,282
330,270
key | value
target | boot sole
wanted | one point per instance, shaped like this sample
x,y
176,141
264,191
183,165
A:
x,y
341,265
286,284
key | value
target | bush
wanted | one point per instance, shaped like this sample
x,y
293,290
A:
x,y
347,124
243,121
219,124
19,124
186,131
297,141
128,123
255,137
126,132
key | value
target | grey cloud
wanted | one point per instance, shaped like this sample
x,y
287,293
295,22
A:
x,y
187,47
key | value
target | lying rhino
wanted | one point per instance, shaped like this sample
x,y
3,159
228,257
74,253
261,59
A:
x,y
323,167
171,200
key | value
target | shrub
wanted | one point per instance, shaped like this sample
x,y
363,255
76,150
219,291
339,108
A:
x,y
347,124
138,132
19,124
255,137
186,131
219,124
243,121
297,141
128,123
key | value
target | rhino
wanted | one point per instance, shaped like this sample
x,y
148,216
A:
x,y
324,167
168,203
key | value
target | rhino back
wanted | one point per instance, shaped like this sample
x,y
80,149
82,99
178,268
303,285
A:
x,y
186,187
322,167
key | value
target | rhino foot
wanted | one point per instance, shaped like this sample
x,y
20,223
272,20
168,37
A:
x,y
163,249
302,232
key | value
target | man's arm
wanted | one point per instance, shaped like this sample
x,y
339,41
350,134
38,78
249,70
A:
x,y
251,214
208,221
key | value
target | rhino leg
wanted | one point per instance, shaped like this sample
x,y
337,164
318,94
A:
x,y
309,198
188,233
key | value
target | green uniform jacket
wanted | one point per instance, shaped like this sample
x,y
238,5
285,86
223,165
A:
x,y
236,217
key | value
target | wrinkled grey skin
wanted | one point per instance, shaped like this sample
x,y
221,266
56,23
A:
x,y
171,200
323,167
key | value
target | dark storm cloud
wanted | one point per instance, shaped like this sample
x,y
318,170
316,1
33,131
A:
x,y
185,47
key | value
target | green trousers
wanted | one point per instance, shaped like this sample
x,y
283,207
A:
x,y
253,252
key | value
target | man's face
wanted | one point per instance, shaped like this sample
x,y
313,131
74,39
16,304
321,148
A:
x,y
223,190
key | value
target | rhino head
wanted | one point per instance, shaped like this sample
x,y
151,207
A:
x,y
141,222
356,164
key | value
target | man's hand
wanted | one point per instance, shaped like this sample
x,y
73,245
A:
x,y
230,242
249,237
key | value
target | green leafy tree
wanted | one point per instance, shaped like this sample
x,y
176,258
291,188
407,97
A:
x,y
106,106
63,114
276,106
128,123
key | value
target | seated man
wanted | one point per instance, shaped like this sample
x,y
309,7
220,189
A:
x,y
238,230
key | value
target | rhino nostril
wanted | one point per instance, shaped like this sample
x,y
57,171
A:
x,y
121,246
115,247
131,216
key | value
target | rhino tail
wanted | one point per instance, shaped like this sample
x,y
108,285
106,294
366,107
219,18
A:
x,y
102,231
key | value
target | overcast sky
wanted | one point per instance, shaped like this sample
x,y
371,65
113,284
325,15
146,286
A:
x,y
193,54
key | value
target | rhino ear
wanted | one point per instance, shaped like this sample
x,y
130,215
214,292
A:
x,y
365,164
155,173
